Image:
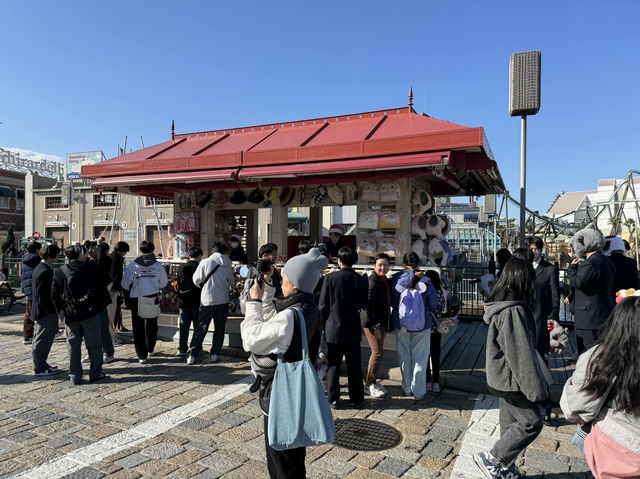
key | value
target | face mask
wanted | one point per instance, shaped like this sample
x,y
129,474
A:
x,y
235,245
536,256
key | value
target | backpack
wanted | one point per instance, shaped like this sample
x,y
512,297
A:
x,y
78,296
411,312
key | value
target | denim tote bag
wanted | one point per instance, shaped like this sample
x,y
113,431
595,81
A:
x,y
299,412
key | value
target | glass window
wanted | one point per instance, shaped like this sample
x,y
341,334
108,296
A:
x,y
51,202
159,201
105,199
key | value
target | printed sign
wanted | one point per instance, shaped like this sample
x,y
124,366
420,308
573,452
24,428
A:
x,y
75,162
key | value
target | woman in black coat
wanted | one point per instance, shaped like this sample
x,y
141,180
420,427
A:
x,y
378,322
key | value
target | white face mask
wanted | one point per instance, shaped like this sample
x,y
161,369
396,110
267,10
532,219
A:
x,y
234,244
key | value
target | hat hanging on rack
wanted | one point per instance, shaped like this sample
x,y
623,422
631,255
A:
x,y
287,195
256,196
318,196
352,193
238,197
336,195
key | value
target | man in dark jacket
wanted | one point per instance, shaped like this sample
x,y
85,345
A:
x,y
43,312
188,298
29,263
114,310
592,278
103,299
626,268
547,304
343,295
74,293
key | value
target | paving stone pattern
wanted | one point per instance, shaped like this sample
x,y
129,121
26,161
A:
x,y
166,419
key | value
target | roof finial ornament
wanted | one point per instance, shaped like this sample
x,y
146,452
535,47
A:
x,y
173,130
410,98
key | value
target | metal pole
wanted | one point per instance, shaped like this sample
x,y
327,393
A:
x,y
113,221
523,179
508,229
495,238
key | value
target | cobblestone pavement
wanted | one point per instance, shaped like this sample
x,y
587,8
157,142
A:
x,y
166,419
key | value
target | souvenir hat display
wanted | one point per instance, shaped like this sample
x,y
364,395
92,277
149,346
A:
x,y
238,197
422,202
367,245
370,192
352,193
390,192
270,197
286,196
318,195
336,195
368,220
256,196
389,220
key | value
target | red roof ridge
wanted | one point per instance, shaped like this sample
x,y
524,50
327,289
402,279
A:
x,y
309,122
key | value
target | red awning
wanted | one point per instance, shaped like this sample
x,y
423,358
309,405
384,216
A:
x,y
164,178
384,163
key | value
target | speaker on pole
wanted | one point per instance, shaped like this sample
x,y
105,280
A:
x,y
524,83
490,204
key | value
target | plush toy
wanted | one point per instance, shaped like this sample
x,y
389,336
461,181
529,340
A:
x,y
389,220
422,202
558,337
447,225
625,293
368,220
370,192
613,243
390,192
444,326
432,251
352,193
487,282
419,226
586,240
336,195
435,226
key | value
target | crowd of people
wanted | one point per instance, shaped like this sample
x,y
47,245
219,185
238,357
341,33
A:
x,y
342,307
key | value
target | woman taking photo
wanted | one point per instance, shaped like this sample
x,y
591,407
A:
x,y
378,323
604,395
514,369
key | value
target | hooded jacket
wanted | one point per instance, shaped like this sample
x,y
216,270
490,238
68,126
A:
x,y
512,362
144,276
216,289
85,287
189,293
29,263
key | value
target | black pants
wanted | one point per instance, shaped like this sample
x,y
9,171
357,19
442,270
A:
x,y
145,332
217,312
585,338
520,424
288,464
351,353
433,368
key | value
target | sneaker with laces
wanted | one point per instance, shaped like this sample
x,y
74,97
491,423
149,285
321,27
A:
x,y
143,361
108,358
381,387
50,371
511,472
191,359
374,391
181,354
27,341
489,468
436,388
59,333
214,358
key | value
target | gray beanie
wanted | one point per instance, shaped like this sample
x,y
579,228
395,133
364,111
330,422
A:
x,y
304,271
587,240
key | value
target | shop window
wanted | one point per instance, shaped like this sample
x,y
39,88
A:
x,y
159,201
106,199
4,202
52,202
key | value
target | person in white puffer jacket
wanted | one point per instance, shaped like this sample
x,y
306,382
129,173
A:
x,y
144,277
215,276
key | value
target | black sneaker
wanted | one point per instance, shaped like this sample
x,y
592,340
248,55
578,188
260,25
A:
x,y
27,341
511,472
50,371
98,378
490,469
75,382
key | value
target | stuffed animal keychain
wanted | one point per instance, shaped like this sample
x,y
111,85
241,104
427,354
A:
x,y
558,337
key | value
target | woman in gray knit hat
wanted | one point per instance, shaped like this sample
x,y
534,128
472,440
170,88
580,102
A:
x,y
270,328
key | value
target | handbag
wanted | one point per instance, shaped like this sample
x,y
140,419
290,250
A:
x,y
299,412
148,307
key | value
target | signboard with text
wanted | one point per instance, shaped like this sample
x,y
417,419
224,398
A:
x,y
75,161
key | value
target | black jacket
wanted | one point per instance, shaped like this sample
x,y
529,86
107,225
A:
x,y
626,273
87,272
103,279
343,294
188,293
547,304
593,282
117,268
42,300
238,254
378,307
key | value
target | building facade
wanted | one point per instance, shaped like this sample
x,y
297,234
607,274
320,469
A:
x,y
12,200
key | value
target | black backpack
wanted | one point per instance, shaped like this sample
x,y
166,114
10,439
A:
x,y
78,294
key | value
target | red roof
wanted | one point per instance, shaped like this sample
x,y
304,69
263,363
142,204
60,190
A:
x,y
377,145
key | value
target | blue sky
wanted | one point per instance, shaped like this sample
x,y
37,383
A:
x,y
81,75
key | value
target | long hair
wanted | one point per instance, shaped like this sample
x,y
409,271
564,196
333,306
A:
x,y
516,283
618,360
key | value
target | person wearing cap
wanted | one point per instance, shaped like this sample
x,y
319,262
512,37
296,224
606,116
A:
x,y
626,276
237,251
270,327
335,242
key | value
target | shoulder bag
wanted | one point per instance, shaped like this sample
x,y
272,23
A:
x,y
299,412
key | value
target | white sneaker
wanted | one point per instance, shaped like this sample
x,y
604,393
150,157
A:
x,y
191,359
143,361
214,358
381,387
50,371
108,358
86,360
374,391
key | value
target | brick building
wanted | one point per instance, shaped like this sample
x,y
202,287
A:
x,y
11,203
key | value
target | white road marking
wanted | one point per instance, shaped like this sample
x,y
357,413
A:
x,y
85,456
481,434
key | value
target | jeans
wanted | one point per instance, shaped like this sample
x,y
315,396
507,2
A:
x,y
351,352
376,343
145,332
44,332
287,464
187,318
217,312
89,329
413,354
105,334
520,424
433,370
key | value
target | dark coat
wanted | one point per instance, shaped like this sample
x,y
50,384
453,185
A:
x,y
102,279
626,273
188,293
42,301
83,269
29,263
378,306
593,282
343,294
117,268
547,304
238,254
